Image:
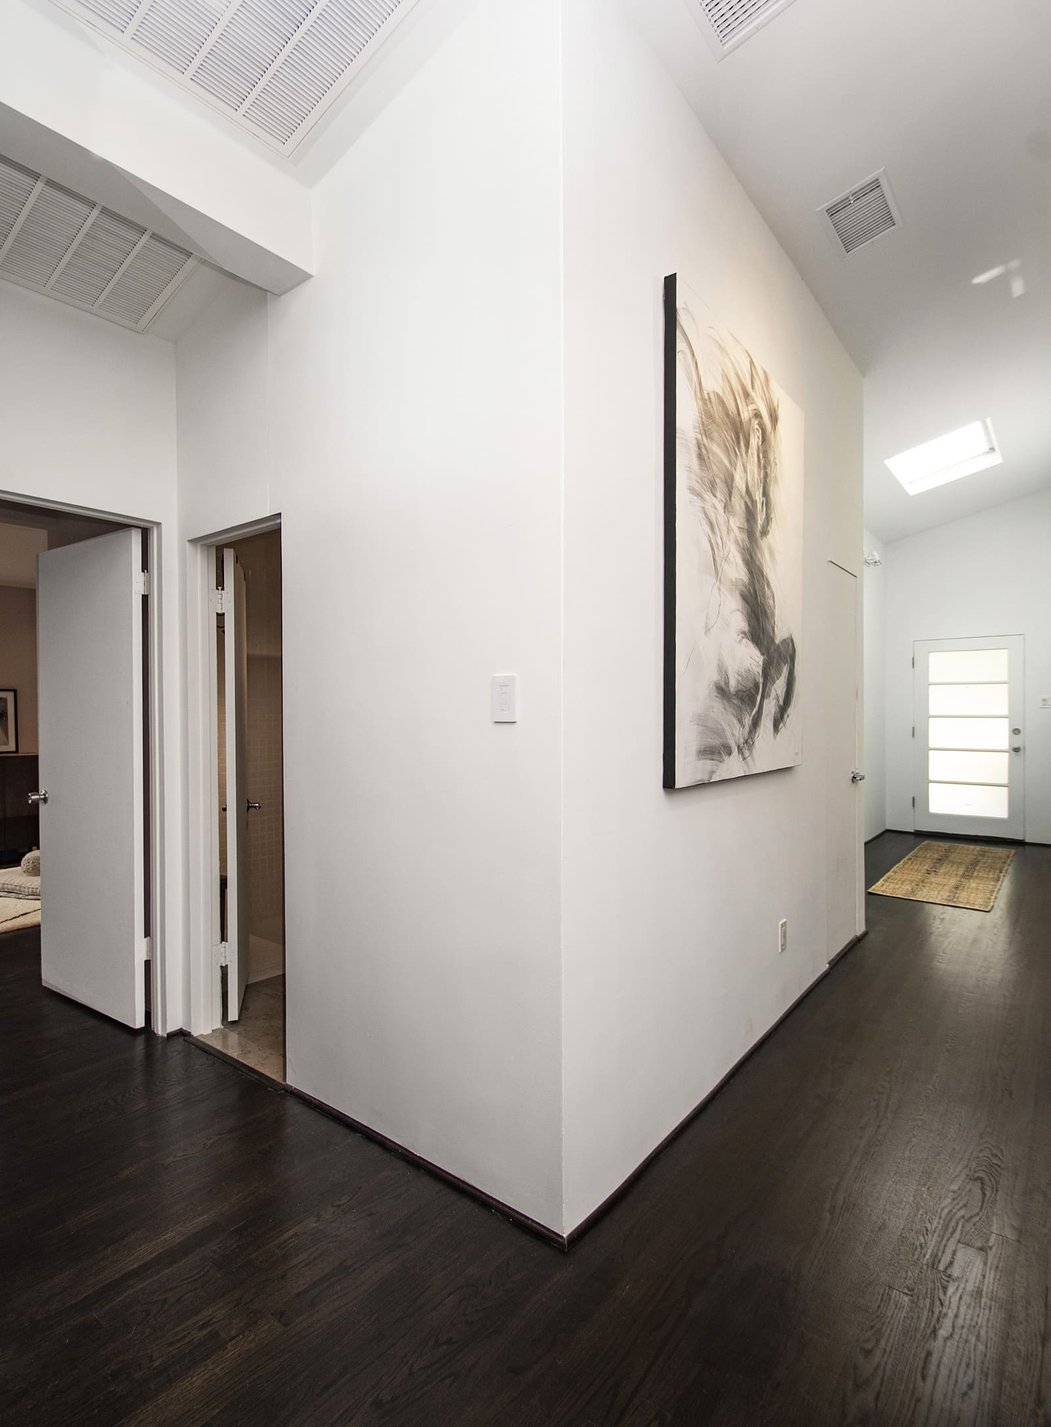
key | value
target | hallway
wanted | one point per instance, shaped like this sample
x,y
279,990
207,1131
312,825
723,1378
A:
x,y
854,1231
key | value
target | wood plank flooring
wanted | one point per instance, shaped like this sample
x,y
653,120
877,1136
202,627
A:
x,y
855,1231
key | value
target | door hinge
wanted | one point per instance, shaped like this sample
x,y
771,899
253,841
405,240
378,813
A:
x,y
914,661
142,582
224,953
914,730
218,601
146,949
914,802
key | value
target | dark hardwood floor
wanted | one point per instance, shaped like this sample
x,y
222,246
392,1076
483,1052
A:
x,y
854,1231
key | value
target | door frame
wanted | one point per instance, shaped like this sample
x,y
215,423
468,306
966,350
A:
x,y
857,597
153,774
205,1011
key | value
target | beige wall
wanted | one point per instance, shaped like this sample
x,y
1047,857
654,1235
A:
x,y
18,658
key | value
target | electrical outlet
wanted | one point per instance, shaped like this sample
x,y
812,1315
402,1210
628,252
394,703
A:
x,y
782,936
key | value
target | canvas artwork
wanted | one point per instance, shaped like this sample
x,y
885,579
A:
x,y
733,554
8,721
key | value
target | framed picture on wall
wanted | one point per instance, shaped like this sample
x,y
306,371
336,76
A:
x,y
733,554
8,721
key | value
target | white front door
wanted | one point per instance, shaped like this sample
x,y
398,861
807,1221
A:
x,y
235,624
969,736
93,942
844,859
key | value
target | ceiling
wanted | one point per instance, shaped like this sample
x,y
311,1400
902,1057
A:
x,y
58,242
273,67
949,97
952,98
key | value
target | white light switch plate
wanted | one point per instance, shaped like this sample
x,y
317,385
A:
x,y
505,698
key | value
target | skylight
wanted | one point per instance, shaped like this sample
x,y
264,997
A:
x,y
947,458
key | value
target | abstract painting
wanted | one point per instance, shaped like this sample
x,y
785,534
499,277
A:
x,y
733,513
8,721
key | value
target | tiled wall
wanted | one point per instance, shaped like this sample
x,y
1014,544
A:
x,y
260,558
265,828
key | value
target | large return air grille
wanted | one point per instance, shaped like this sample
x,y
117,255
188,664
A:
x,y
863,214
734,20
273,66
55,241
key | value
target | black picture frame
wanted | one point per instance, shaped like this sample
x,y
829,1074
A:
x,y
670,311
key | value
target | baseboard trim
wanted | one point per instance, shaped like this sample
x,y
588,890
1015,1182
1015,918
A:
x,y
505,1211
562,1242
497,1206
851,944
587,1224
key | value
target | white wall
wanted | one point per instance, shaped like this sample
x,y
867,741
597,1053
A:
x,y
875,690
986,575
671,900
408,430
87,419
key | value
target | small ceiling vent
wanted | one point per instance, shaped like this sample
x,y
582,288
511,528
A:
x,y
863,214
272,66
733,21
54,241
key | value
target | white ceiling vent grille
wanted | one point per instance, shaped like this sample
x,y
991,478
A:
x,y
863,214
273,66
733,21
53,240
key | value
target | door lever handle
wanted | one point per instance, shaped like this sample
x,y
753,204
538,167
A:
x,y
252,807
857,777
33,798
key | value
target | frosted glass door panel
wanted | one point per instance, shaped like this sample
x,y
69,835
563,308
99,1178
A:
x,y
959,700
960,766
969,733
969,666
970,745
958,800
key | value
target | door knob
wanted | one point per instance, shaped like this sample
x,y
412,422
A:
x,y
252,807
857,777
1016,748
34,798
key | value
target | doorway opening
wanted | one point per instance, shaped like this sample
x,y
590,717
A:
x,y
76,752
248,821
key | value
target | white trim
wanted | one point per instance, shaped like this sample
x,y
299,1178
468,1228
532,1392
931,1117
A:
x,y
202,776
158,870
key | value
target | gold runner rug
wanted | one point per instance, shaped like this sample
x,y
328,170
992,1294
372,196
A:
x,y
952,874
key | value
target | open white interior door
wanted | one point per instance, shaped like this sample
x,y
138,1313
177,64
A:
x,y
236,714
92,825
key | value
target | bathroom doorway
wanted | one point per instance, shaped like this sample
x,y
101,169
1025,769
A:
x,y
249,844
